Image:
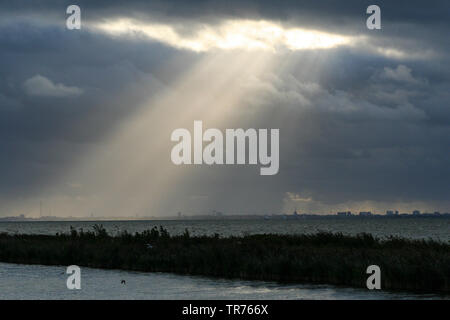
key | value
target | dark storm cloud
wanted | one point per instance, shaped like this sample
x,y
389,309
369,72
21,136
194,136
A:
x,y
412,11
95,80
365,127
367,132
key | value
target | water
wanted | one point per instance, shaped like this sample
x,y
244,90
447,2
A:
x,y
49,282
417,228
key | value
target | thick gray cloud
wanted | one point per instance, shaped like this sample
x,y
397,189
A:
x,y
359,127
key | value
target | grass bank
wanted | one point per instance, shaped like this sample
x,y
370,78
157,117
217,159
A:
x,y
413,265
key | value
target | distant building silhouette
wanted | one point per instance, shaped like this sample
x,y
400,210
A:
x,y
392,213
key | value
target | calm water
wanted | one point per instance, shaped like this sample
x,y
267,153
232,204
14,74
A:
x,y
436,228
49,282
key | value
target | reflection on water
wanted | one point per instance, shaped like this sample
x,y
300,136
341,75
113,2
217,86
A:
x,y
49,282
436,228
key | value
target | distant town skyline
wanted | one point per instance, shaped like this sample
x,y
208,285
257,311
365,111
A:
x,y
219,214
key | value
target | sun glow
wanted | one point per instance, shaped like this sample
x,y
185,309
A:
x,y
229,35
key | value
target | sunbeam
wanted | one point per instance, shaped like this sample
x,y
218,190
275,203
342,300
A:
x,y
140,146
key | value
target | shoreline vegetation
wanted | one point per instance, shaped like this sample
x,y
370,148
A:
x,y
321,258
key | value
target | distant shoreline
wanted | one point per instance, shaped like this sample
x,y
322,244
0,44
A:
x,y
322,258
224,217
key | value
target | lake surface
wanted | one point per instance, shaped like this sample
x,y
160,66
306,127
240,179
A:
x,y
418,228
49,282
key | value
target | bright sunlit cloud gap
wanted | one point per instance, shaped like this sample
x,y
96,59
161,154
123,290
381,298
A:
x,y
229,35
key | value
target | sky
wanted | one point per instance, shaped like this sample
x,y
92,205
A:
x,y
86,115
